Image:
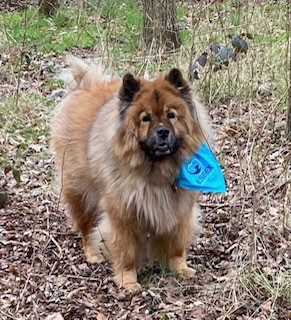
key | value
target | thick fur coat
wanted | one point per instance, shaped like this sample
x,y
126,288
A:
x,y
119,144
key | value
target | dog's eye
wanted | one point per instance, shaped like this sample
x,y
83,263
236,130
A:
x,y
146,118
171,115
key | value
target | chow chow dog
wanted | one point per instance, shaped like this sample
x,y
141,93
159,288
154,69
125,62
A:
x,y
119,145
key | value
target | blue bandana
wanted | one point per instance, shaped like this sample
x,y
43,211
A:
x,y
202,172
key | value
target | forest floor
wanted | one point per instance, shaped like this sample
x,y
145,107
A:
x,y
242,257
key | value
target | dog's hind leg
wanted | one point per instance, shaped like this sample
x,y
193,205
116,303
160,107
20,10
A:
x,y
84,221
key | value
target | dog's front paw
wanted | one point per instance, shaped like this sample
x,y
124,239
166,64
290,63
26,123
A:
x,y
93,258
132,287
186,272
127,280
93,255
179,267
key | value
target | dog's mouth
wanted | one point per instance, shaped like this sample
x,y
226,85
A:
x,y
162,149
159,151
160,143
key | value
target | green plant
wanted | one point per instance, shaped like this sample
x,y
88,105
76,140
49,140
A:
x,y
219,55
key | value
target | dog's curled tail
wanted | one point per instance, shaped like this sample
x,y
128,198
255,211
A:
x,y
85,75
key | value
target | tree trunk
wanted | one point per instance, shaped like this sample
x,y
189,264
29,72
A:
x,y
288,128
48,7
288,125
160,30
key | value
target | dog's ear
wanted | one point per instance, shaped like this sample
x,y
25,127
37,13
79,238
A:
x,y
129,88
175,78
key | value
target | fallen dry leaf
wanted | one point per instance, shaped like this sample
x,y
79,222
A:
x,y
55,316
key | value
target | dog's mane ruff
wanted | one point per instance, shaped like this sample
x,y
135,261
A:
x,y
85,75
155,205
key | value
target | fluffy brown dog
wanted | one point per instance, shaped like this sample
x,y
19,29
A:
x,y
119,145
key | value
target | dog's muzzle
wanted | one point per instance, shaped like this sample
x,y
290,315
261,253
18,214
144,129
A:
x,y
160,143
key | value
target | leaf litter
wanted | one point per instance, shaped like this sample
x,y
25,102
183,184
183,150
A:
x,y
242,256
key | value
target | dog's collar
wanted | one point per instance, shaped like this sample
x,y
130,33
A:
x,y
201,172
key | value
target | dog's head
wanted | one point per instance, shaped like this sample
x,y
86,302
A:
x,y
157,119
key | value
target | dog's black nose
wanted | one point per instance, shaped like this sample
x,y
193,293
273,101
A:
x,y
163,131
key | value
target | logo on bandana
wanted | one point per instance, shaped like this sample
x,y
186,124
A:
x,y
204,174
194,167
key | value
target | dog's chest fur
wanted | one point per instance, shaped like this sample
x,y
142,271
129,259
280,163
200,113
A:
x,y
158,206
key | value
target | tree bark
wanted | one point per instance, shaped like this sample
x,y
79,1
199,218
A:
x,y
48,7
288,128
160,30
288,125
